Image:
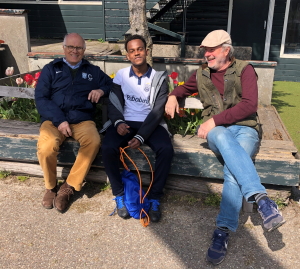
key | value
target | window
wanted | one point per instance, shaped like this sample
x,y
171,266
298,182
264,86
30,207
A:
x,y
290,44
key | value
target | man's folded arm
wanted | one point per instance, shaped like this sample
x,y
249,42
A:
x,y
45,106
155,116
114,114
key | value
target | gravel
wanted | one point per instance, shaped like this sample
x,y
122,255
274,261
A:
x,y
85,236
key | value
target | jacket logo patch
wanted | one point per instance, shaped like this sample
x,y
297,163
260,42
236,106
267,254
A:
x,y
84,75
90,77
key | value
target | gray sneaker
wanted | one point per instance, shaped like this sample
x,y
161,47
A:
x,y
272,218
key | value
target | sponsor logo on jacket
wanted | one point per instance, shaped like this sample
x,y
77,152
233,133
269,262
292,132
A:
x,y
137,99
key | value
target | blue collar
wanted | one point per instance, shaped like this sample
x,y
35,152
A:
x,y
72,66
147,74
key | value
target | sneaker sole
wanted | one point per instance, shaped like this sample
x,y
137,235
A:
x,y
276,226
214,263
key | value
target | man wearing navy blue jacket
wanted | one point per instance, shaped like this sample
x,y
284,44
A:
x,y
66,95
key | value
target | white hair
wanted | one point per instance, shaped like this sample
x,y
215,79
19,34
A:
x,y
65,38
231,49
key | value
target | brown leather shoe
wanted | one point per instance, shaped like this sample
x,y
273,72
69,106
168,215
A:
x,y
49,198
63,196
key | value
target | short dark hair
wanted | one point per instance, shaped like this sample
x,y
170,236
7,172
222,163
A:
x,y
133,37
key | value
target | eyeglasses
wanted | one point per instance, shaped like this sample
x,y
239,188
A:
x,y
71,48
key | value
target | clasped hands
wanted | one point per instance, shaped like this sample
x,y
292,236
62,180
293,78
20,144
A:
x,y
172,106
94,97
122,129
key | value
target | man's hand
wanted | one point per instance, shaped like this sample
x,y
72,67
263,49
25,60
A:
x,y
122,129
206,127
134,143
64,128
95,95
171,106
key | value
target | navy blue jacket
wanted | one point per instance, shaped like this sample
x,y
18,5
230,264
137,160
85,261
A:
x,y
61,98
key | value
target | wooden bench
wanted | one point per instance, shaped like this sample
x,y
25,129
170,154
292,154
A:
x,y
276,159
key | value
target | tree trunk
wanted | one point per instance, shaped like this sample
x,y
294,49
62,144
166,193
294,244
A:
x,y
138,24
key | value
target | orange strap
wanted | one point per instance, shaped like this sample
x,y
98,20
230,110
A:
x,y
144,221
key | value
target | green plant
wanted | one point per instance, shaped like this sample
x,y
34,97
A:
x,y
185,122
4,174
101,40
19,109
190,199
22,178
280,203
105,186
213,199
6,112
60,182
89,40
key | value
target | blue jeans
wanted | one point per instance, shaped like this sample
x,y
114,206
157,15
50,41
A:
x,y
236,144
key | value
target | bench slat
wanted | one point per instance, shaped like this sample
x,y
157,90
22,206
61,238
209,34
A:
x,y
19,92
272,129
191,161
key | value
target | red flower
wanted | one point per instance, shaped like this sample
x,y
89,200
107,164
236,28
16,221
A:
x,y
167,116
29,78
37,75
175,81
173,75
181,112
194,94
192,113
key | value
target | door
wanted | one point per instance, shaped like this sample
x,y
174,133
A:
x,y
249,25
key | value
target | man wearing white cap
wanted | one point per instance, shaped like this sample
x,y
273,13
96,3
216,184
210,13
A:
x,y
228,91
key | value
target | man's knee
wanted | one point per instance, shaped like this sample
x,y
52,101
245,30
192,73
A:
x,y
108,149
167,150
48,144
91,140
218,135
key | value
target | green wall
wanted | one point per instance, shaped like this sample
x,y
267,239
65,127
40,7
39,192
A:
x,y
287,69
54,21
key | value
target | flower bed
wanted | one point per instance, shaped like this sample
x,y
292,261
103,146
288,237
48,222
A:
x,y
188,119
19,108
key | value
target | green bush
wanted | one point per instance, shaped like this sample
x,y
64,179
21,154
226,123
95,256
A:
x,y
19,109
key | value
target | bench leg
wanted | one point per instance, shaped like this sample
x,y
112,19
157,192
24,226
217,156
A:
x,y
247,207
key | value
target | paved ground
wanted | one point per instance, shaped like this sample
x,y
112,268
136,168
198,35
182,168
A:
x,y
87,237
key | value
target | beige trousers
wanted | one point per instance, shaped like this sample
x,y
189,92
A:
x,y
48,146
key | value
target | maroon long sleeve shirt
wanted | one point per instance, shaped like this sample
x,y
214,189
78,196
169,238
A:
x,y
246,107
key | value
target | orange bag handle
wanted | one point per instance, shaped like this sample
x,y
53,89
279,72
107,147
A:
x,y
144,221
